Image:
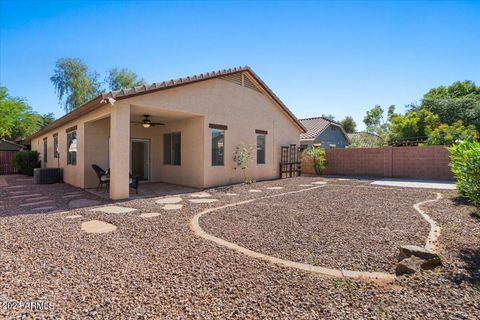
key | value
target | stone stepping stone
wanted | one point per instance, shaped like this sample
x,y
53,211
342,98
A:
x,y
97,226
169,200
319,182
72,195
38,198
16,187
305,185
114,209
74,216
275,188
25,196
254,190
149,215
172,206
35,203
202,200
200,195
18,192
79,203
43,208
232,194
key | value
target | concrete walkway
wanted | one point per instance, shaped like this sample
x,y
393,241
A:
x,y
416,183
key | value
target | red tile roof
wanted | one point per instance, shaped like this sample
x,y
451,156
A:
x,y
102,99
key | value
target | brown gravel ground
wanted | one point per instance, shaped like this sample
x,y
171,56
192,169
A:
x,y
157,269
354,228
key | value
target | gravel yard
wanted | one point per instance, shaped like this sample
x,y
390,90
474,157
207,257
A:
x,y
355,228
153,266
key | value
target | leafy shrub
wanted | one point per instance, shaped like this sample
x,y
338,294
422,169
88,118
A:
x,y
447,134
465,165
26,161
318,156
242,157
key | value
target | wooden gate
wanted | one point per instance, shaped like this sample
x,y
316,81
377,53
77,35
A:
x,y
290,164
6,162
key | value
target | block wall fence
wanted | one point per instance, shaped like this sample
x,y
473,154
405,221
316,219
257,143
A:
x,y
393,162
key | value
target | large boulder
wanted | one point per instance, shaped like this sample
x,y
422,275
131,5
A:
x,y
420,252
414,258
409,265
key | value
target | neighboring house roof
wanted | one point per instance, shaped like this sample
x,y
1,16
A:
x,y
103,98
6,145
365,139
315,126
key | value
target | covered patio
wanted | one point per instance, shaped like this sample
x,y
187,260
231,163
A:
x,y
156,145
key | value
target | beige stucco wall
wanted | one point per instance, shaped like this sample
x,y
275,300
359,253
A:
x,y
73,175
243,110
216,101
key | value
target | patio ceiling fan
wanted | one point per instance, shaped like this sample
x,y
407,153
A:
x,y
147,123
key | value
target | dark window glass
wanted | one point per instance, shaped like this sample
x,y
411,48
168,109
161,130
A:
x,y
218,147
172,146
55,147
261,148
72,148
176,149
45,146
167,148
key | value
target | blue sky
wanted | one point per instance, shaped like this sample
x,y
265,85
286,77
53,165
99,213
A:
x,y
337,58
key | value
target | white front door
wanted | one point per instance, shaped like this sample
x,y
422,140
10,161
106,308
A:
x,y
140,158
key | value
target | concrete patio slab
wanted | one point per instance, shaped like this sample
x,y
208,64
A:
x,y
97,226
114,209
72,196
415,183
43,209
149,215
79,203
37,198
169,200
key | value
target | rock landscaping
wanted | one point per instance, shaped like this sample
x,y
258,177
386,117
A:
x,y
157,268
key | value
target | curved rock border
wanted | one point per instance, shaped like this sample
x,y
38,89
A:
x,y
434,233
359,275
382,277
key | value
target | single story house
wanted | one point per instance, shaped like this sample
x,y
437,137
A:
x,y
6,145
323,133
179,131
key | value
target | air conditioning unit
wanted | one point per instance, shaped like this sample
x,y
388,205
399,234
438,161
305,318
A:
x,y
47,175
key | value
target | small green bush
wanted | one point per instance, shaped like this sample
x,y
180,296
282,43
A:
x,y
26,161
465,165
318,156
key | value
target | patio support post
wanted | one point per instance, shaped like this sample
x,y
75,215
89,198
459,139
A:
x,y
119,151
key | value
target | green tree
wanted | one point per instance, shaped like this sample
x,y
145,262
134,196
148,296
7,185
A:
x,y
450,134
377,123
46,119
348,124
74,83
118,79
458,101
17,120
413,125
328,117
